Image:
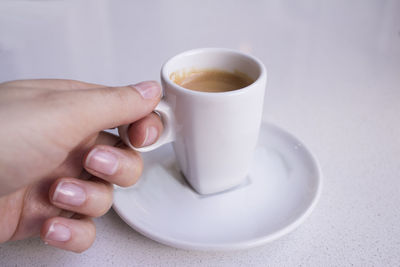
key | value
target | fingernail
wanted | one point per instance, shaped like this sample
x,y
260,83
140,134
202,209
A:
x,y
102,161
151,136
148,89
58,232
69,194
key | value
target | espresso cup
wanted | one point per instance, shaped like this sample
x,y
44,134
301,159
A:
x,y
214,134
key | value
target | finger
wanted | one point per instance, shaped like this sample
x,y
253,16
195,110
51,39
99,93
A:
x,y
92,110
22,89
121,166
146,131
92,198
69,234
54,84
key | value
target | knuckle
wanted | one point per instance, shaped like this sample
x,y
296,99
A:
x,y
130,170
106,203
124,93
125,96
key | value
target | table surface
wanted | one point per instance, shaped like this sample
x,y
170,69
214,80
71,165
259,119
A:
x,y
334,82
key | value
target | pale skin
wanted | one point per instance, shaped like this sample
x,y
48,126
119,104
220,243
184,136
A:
x,y
57,166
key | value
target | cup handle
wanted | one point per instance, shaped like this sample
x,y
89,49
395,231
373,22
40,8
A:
x,y
167,136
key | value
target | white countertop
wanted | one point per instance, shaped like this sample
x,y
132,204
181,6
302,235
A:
x,y
334,82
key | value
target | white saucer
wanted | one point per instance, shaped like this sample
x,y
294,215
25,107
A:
x,y
281,190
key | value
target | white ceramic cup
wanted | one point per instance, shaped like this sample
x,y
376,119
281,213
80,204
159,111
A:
x,y
214,134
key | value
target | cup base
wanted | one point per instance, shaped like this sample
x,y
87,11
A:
x,y
244,182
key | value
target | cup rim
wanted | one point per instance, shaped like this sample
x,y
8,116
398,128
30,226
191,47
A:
x,y
165,78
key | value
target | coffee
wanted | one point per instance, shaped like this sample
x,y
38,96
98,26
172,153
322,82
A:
x,y
211,80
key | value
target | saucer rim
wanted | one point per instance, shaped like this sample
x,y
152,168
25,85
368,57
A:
x,y
246,244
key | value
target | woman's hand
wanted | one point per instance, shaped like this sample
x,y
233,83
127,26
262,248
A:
x,y
57,166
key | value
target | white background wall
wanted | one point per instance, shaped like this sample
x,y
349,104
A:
x,y
334,82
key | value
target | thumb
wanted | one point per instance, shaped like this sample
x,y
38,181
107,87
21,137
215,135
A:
x,y
94,109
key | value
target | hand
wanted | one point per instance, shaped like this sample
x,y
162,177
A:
x,y
57,166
